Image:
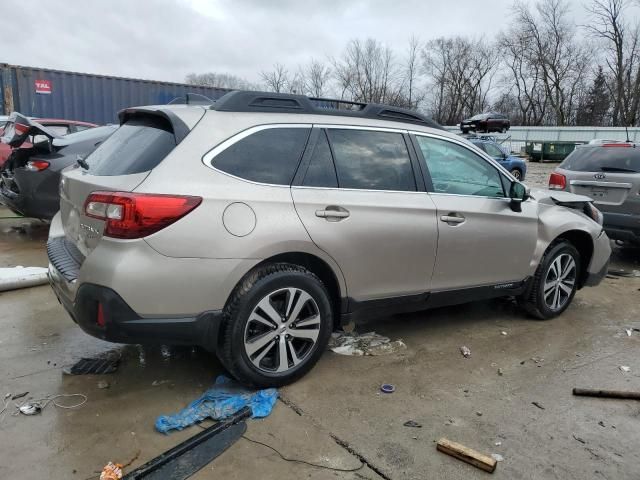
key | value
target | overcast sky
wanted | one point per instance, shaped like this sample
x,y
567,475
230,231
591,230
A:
x,y
167,39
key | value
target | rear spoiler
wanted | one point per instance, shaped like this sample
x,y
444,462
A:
x,y
18,128
180,129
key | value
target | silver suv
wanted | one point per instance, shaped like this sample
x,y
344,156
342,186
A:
x,y
608,172
255,226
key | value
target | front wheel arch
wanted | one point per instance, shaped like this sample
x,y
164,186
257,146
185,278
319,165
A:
x,y
583,242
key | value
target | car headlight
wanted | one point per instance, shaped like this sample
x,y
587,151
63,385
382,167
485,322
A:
x,y
593,213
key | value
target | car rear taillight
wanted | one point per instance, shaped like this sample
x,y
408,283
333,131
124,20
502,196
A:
x,y
136,215
37,165
557,181
617,145
100,316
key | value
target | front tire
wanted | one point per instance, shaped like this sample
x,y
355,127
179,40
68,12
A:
x,y
277,324
554,283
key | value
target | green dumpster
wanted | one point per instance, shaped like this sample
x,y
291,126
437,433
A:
x,y
549,151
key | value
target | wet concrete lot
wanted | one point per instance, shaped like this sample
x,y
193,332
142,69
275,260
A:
x,y
335,416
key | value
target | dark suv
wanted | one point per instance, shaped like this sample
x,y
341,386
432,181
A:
x,y
610,174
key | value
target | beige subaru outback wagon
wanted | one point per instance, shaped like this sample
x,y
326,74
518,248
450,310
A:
x,y
256,225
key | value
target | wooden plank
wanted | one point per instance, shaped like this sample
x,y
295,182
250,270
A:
x,y
589,392
466,454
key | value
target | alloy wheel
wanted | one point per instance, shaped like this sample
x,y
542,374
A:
x,y
282,330
560,281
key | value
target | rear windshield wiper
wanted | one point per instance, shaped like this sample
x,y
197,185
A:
x,y
82,162
618,169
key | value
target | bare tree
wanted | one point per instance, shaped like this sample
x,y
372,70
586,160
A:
x,y
315,78
621,39
219,80
276,80
550,43
411,73
366,72
460,72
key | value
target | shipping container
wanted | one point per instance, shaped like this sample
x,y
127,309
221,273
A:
x,y
45,93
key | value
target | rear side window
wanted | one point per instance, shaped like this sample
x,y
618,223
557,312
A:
x,y
603,159
321,172
137,146
267,156
372,160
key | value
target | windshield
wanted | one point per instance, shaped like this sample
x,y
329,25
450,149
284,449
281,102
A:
x,y
602,159
481,116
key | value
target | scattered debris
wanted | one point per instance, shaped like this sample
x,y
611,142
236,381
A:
x,y
221,401
30,409
522,362
479,414
588,392
498,444
466,353
186,458
500,372
33,407
629,331
537,359
19,395
497,457
102,384
624,368
157,383
538,404
21,277
412,424
467,455
387,388
503,333
111,471
93,366
601,423
579,439
351,343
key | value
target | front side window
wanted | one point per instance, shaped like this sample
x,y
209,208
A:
x,y
455,169
266,156
372,160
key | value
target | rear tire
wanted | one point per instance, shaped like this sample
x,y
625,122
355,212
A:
x,y
555,282
277,324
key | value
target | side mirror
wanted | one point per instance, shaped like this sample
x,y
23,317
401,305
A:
x,y
518,194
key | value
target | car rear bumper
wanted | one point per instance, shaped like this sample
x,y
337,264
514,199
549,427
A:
x,y
621,226
30,195
120,324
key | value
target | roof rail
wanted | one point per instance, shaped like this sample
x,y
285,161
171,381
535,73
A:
x,y
192,99
269,102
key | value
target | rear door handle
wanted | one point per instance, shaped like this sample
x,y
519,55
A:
x,y
335,213
453,218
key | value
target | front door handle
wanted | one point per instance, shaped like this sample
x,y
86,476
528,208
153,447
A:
x,y
453,219
333,213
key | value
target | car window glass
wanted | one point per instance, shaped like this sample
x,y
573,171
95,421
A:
x,y
372,160
139,145
603,159
455,169
321,172
266,156
493,150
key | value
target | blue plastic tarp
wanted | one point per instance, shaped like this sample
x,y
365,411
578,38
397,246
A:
x,y
219,402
